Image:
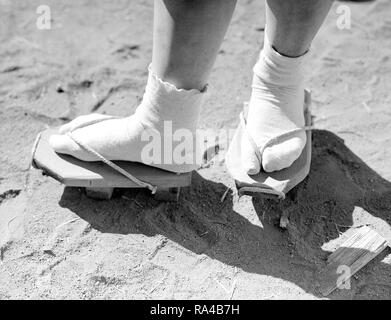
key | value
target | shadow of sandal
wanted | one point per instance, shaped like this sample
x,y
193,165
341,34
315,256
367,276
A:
x,y
340,192
338,183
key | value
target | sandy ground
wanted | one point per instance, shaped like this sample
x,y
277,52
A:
x,y
56,243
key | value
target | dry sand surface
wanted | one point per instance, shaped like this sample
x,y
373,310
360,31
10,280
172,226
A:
x,y
56,243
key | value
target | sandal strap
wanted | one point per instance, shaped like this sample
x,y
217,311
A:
x,y
259,151
283,136
94,121
250,138
111,164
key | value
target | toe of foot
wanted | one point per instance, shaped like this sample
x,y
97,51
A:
x,y
282,155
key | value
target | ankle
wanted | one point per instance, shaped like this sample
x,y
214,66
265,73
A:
x,y
163,101
277,69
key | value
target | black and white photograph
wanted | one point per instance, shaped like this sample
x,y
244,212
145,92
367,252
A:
x,y
206,150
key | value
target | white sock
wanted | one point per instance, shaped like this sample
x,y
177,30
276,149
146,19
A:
x,y
163,106
276,106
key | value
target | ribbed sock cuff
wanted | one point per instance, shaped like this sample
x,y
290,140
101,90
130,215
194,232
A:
x,y
163,101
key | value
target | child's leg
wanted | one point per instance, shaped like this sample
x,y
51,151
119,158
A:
x,y
292,25
277,98
187,36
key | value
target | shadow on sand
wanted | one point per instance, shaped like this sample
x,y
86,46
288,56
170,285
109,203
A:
x,y
338,183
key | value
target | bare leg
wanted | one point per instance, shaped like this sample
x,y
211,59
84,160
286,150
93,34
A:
x,y
276,104
292,25
187,37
